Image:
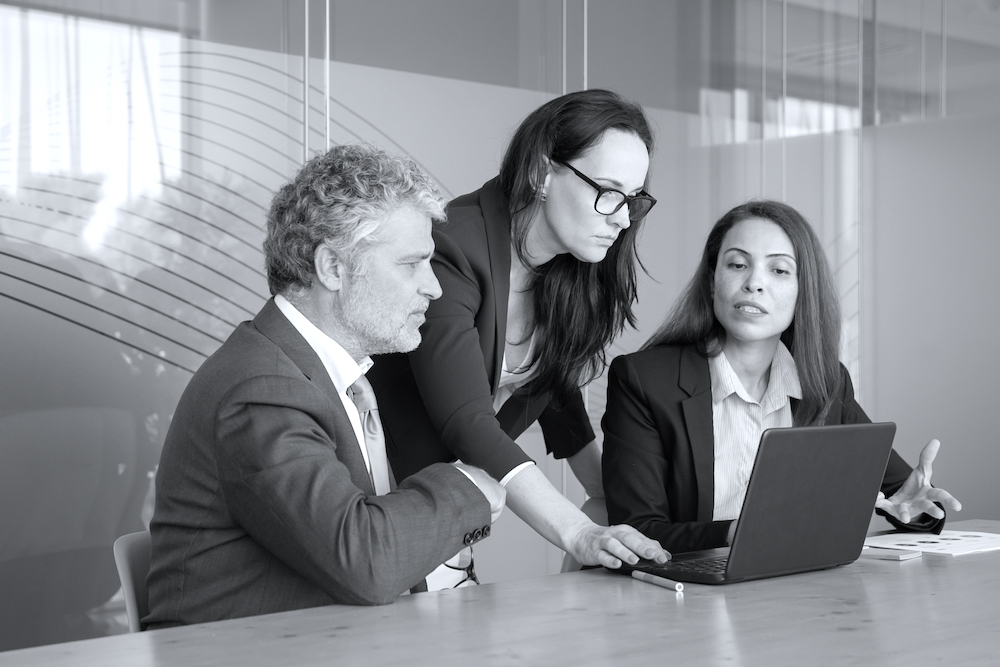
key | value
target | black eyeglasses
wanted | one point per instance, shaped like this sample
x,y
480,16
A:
x,y
610,200
469,568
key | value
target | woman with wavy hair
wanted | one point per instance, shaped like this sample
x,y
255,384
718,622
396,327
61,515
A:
x,y
538,272
752,343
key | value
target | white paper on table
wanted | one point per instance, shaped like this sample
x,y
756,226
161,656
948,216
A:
x,y
950,542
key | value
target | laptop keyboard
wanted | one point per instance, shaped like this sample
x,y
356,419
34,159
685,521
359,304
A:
x,y
714,565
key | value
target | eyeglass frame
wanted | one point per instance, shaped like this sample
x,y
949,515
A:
x,y
601,190
469,570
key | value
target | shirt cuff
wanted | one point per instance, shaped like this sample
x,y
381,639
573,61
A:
x,y
495,512
509,476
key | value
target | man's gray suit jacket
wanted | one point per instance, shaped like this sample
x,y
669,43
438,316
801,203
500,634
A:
x,y
263,500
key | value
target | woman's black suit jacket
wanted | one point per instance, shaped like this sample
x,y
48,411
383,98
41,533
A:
x,y
659,451
436,403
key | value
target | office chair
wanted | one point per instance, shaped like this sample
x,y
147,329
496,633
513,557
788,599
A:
x,y
132,560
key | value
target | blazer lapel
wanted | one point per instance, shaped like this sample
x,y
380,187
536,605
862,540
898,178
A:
x,y
275,326
695,380
497,223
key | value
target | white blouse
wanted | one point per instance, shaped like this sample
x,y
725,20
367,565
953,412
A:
x,y
738,422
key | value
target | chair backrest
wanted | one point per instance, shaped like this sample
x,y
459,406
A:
x,y
132,559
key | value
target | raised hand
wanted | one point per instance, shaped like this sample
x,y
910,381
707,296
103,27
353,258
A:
x,y
917,496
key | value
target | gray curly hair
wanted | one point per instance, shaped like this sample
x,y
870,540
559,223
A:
x,y
340,198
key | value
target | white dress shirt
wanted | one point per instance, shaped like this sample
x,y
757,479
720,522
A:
x,y
339,365
738,422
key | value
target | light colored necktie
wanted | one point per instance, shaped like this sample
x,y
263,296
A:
x,y
363,395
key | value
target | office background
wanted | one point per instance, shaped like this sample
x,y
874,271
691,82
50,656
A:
x,y
140,142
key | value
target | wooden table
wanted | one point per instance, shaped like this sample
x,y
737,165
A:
x,y
930,610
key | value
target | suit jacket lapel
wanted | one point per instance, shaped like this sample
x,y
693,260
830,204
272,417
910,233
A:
x,y
275,326
497,223
695,380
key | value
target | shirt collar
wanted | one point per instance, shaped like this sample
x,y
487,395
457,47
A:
x,y
784,374
725,382
340,366
783,380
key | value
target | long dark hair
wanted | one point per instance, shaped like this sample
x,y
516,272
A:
x,y
813,337
579,307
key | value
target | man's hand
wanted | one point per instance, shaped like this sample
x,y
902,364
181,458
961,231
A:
x,y
917,496
610,545
495,494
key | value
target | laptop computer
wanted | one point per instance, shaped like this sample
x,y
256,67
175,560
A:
x,y
808,506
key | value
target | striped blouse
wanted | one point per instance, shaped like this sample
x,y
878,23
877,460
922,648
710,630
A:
x,y
738,422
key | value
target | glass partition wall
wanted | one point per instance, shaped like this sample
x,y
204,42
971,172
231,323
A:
x,y
140,143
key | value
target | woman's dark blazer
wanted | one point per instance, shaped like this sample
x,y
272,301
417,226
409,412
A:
x,y
659,451
438,399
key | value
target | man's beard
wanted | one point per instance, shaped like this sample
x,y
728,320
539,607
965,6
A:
x,y
376,327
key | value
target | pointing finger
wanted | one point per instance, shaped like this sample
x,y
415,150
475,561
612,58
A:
x,y
927,456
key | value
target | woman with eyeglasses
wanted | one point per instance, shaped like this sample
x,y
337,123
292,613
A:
x,y
538,272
